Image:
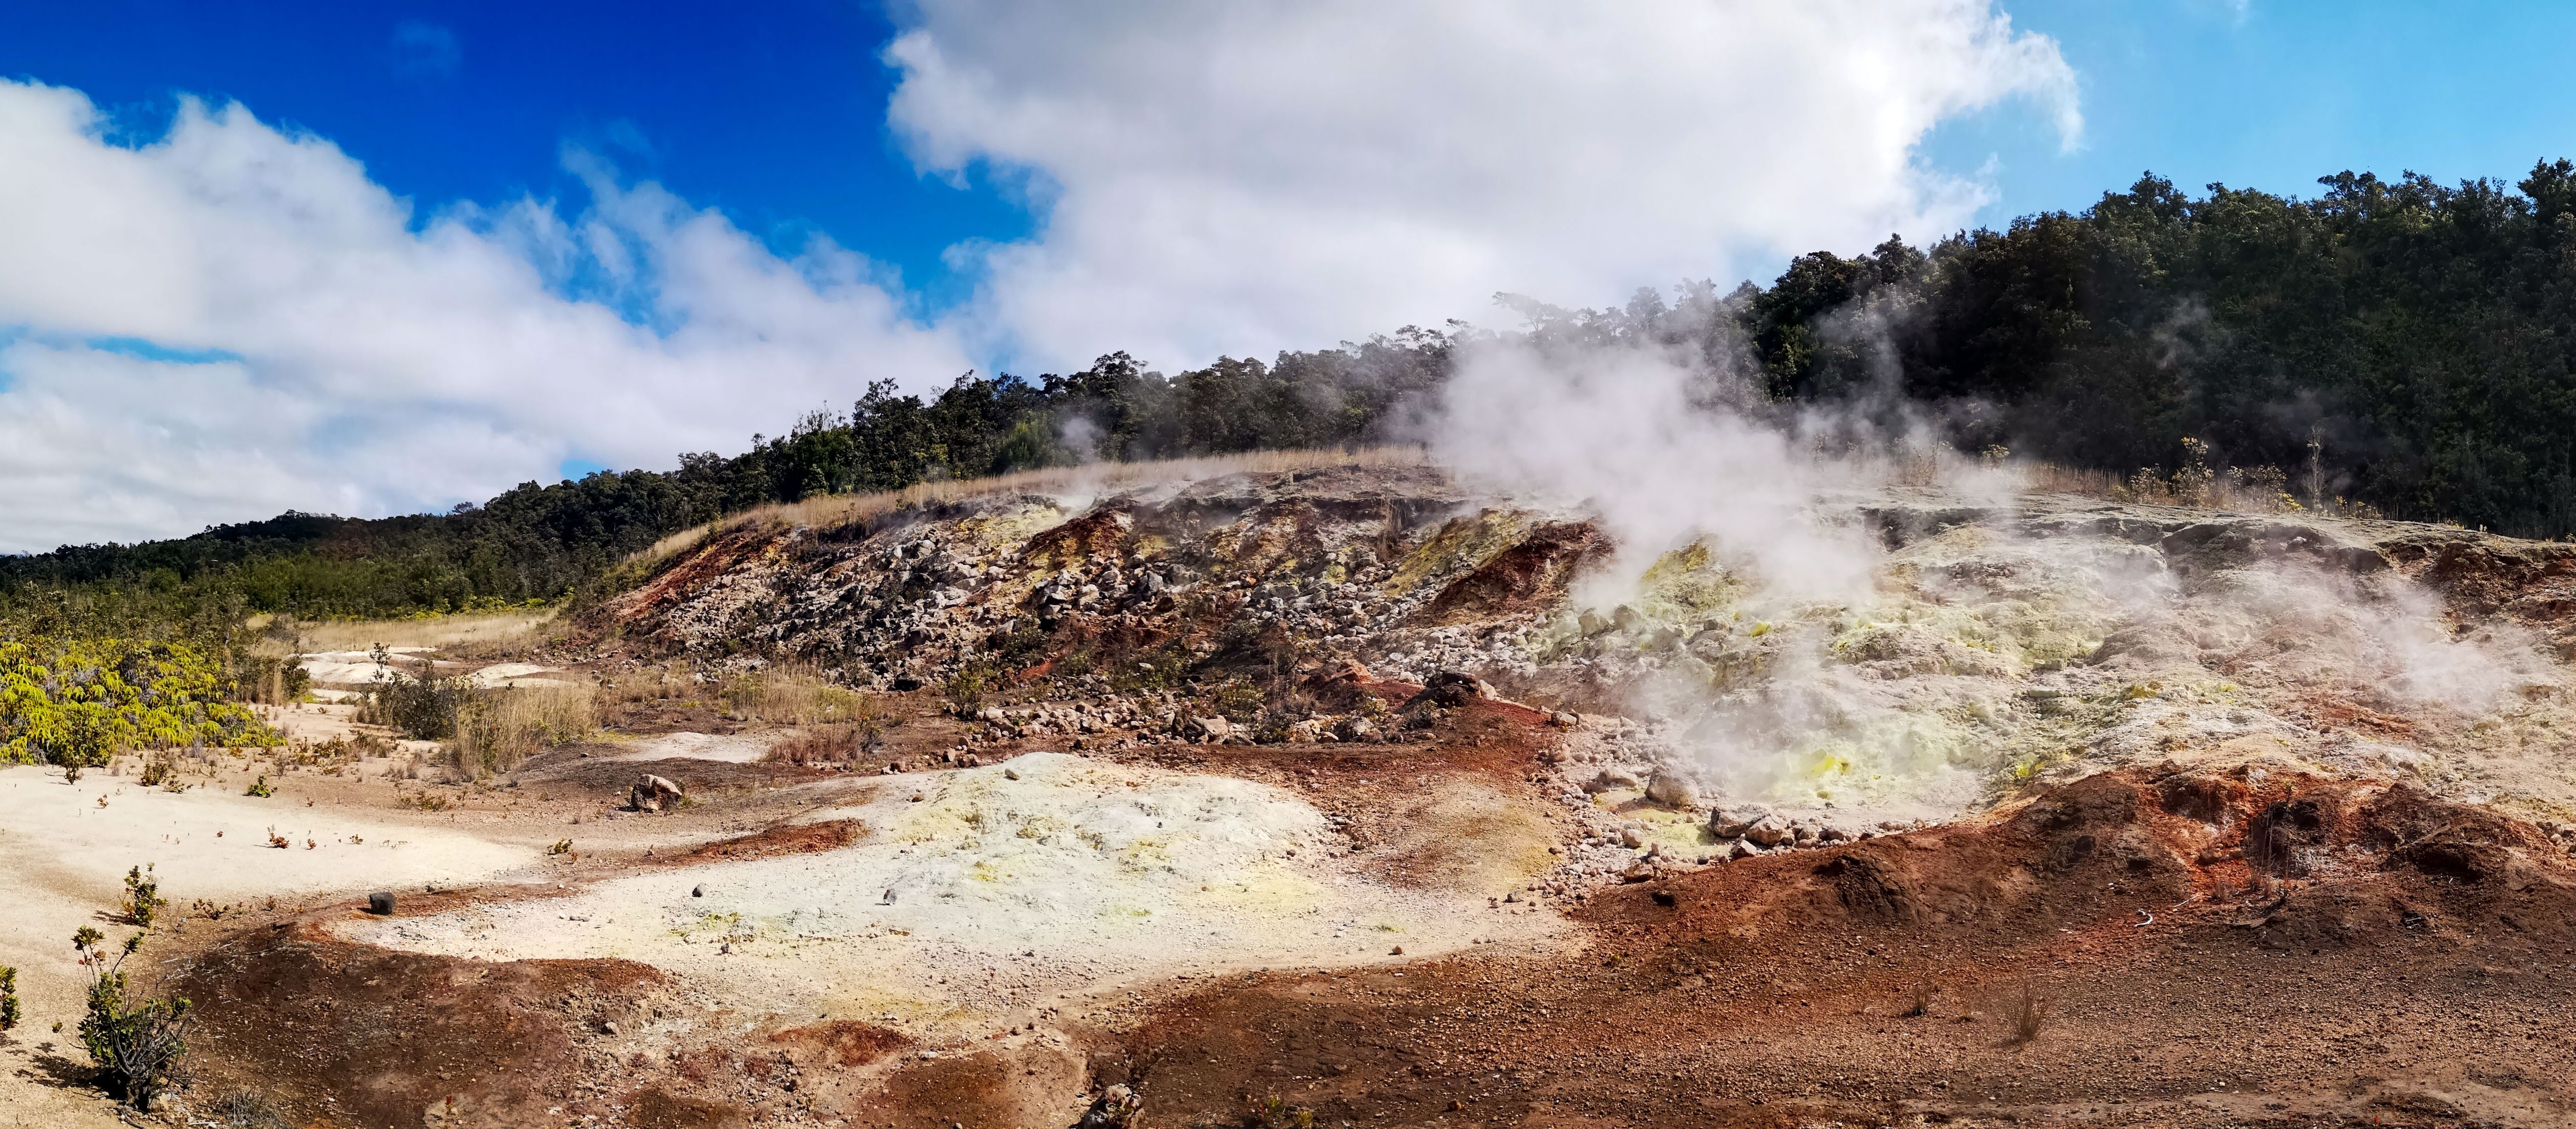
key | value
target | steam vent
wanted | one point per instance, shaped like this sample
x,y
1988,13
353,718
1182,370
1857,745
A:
x,y
1390,797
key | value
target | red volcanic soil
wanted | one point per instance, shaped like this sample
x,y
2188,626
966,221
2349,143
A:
x,y
2127,950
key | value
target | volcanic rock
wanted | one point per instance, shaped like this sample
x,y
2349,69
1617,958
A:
x,y
1612,780
653,793
1672,790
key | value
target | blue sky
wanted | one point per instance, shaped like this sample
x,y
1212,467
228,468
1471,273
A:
x,y
372,259
776,112
2275,95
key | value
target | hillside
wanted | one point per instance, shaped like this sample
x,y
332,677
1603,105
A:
x,y
1345,785
2396,345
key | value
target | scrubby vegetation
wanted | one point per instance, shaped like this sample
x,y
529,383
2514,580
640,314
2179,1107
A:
x,y
136,1042
483,730
76,702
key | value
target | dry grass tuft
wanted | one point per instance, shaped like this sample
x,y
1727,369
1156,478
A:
x,y
2025,1014
497,730
836,510
1919,1002
670,681
464,634
838,743
784,694
2249,490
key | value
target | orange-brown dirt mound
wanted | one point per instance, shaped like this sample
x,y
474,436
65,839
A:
x,y
2411,968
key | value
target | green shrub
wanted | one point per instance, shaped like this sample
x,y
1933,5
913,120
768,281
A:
x,y
143,900
8,998
966,689
422,709
76,702
135,1042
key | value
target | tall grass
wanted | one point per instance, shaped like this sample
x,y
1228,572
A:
x,y
483,731
784,694
497,730
461,633
665,682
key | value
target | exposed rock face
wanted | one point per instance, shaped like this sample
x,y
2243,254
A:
x,y
2000,645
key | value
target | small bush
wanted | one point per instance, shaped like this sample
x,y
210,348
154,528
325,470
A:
x,y
8,998
966,689
422,709
159,767
260,788
1241,703
135,1042
143,900
1919,1003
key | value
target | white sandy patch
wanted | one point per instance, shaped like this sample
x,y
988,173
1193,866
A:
x,y
519,674
63,860
992,894
353,668
736,748
56,837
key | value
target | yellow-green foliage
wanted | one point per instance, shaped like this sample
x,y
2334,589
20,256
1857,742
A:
x,y
91,697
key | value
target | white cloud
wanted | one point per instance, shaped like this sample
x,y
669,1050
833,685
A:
x,y
365,362
1240,177
1211,178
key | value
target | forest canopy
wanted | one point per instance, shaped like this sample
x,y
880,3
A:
x,y
2407,344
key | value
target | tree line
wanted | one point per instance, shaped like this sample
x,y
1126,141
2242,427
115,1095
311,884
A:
x,y
2401,342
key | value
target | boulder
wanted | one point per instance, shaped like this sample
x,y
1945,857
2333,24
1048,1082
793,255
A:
x,y
1632,837
1732,823
380,903
1206,730
1455,688
653,793
1769,831
1672,790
